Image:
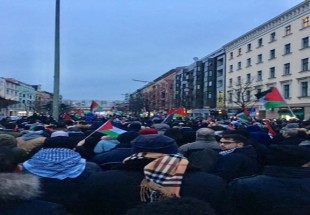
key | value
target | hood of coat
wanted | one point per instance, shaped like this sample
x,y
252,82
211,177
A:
x,y
18,186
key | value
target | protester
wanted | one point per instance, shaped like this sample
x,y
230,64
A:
x,y
283,188
205,139
115,156
115,191
19,192
62,171
237,158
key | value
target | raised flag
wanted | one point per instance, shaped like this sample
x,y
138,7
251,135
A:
x,y
244,116
174,113
269,127
270,98
110,130
93,105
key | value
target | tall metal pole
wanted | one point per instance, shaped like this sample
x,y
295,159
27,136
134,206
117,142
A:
x,y
56,63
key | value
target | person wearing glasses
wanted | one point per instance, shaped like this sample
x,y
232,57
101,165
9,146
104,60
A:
x,y
237,158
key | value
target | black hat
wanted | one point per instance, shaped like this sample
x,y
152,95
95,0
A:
x,y
155,143
127,136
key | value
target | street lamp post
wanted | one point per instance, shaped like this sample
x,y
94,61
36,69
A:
x,y
56,63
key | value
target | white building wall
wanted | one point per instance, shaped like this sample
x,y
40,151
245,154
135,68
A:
x,y
294,18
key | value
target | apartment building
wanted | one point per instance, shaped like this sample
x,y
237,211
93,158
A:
x,y
275,53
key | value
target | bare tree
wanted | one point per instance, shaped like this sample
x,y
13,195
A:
x,y
241,93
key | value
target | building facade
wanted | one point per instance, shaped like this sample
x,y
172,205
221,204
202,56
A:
x,y
275,54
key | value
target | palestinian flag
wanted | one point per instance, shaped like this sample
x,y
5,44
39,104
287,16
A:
x,y
174,113
244,116
177,112
108,129
93,105
270,98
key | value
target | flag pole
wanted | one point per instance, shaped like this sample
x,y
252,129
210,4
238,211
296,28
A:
x,y
290,110
82,142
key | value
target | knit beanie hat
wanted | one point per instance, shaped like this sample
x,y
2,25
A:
x,y
154,143
8,140
148,131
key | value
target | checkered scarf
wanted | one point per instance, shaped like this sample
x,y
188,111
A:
x,y
57,163
163,176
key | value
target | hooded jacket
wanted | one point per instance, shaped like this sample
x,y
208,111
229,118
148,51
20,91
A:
x,y
18,194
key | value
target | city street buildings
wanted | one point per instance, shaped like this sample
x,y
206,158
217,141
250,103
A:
x,y
275,53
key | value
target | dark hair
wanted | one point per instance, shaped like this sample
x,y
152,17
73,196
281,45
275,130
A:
x,y
8,162
236,138
180,206
59,142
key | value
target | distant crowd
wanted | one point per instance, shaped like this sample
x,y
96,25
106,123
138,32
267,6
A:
x,y
154,166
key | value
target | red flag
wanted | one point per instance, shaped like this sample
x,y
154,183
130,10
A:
x,y
179,111
93,105
79,112
269,127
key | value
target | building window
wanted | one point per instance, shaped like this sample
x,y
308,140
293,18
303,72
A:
x,y
286,91
260,42
209,95
305,64
272,54
239,51
219,73
259,75
238,96
248,62
231,55
239,65
287,49
248,78
304,88
210,73
210,83
287,69
305,22
288,30
239,80
272,72
305,42
230,82
230,97
248,95
220,83
231,68
249,47
259,58
272,36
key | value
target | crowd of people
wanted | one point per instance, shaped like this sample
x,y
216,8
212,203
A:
x,y
203,166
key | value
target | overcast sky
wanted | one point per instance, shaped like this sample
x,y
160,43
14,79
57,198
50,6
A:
x,y
107,43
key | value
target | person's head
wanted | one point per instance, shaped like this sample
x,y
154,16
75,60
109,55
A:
x,y
230,141
156,143
135,126
174,133
8,163
205,134
289,132
127,136
59,142
8,140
